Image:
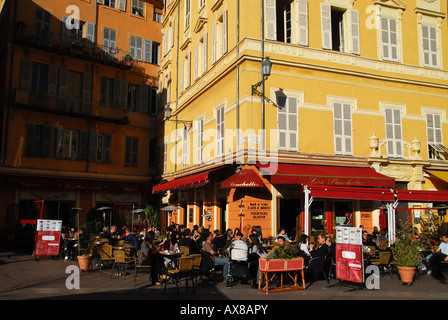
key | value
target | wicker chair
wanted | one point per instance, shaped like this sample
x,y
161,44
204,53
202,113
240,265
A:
x,y
105,255
122,257
184,269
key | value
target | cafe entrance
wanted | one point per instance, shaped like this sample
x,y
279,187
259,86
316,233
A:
x,y
290,216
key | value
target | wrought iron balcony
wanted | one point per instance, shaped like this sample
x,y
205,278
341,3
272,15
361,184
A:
x,y
74,46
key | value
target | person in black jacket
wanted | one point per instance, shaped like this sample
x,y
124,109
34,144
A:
x,y
318,256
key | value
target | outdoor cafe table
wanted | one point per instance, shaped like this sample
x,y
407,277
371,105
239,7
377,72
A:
x,y
171,256
123,247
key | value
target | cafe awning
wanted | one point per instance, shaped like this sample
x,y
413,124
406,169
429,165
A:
x,y
442,175
246,178
379,194
307,174
422,196
186,182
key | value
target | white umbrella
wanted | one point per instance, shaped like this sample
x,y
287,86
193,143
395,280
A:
x,y
170,208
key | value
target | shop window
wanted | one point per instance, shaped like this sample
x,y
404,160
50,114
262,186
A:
x,y
343,212
318,219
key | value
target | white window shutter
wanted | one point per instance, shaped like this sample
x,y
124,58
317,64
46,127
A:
x,y
63,76
214,43
303,22
354,19
292,123
188,69
122,5
148,51
437,129
325,9
204,53
182,61
224,32
196,61
90,34
270,19
172,33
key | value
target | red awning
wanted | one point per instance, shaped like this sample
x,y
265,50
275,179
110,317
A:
x,y
190,181
379,194
422,196
307,174
246,178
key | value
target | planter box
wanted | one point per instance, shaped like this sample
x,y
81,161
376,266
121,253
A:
x,y
272,268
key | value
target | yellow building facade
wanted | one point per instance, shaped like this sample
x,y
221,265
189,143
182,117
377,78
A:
x,y
353,85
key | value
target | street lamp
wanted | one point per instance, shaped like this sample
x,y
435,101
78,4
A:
x,y
266,66
186,123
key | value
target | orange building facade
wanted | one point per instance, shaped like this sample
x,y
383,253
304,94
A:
x,y
79,109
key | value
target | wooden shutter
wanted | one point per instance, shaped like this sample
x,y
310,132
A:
x,y
182,62
123,94
342,128
83,144
196,61
29,139
224,32
144,97
393,132
148,51
117,93
270,20
214,43
93,146
282,127
325,9
303,22
63,77
204,53
46,141
122,5
86,93
354,19
188,70
107,148
59,143
100,1
172,33
65,32
25,82
53,80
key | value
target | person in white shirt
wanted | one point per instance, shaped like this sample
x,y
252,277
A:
x,y
440,255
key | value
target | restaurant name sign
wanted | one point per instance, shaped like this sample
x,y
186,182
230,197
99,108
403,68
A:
x,y
347,182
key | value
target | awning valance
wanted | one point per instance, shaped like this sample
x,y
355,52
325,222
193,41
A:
x,y
190,181
307,174
332,192
246,178
422,196
442,175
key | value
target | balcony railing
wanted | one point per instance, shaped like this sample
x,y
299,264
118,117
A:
x,y
74,46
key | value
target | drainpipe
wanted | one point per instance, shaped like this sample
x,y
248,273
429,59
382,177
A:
x,y
262,79
237,75
177,84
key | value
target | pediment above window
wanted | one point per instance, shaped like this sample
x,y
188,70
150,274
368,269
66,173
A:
x,y
199,24
397,4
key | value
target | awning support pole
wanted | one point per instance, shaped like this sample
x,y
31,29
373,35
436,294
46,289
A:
x,y
308,202
391,206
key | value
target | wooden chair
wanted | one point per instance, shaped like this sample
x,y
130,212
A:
x,y
383,261
122,257
185,250
138,266
105,255
184,269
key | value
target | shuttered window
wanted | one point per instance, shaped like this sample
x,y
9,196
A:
x,y
37,141
389,39
200,140
303,22
220,131
342,128
287,124
436,149
429,39
109,41
184,148
393,133
131,151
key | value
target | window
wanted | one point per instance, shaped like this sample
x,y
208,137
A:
x,y
74,32
187,14
340,29
429,37
144,49
219,37
67,144
220,131
342,128
109,42
113,92
155,53
204,53
131,151
138,8
42,26
434,135
110,3
38,141
74,91
116,4
153,153
389,39
202,3
39,78
200,140
136,47
287,123
393,133
148,100
185,72
157,17
133,97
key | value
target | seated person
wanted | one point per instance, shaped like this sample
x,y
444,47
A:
x,y
238,250
283,234
219,259
318,256
132,238
440,255
219,241
187,241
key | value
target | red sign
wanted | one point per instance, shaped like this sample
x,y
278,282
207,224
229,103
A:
x,y
349,262
47,243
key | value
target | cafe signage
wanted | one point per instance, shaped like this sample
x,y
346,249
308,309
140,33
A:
x,y
349,263
259,209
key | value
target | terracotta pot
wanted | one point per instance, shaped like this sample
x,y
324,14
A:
x,y
406,274
84,262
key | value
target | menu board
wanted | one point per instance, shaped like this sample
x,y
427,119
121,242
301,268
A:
x,y
48,237
349,263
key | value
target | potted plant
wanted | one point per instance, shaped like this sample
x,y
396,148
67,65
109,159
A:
x,y
152,215
407,252
86,235
128,60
